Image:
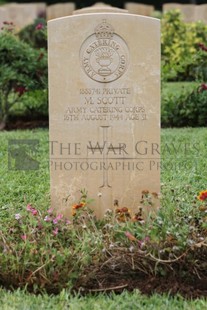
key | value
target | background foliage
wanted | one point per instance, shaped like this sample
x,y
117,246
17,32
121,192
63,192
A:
x,y
23,69
183,58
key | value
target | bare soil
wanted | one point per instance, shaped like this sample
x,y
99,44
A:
x,y
22,123
105,281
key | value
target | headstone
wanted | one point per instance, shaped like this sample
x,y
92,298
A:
x,y
188,10
40,9
3,17
60,10
201,13
171,6
139,8
24,14
104,98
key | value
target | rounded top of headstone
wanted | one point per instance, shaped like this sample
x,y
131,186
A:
x,y
99,8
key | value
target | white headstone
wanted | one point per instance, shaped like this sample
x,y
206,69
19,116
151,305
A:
x,y
60,10
201,13
104,98
188,11
24,14
3,17
139,8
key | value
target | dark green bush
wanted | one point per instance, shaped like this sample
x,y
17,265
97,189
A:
x,y
188,109
35,34
33,105
22,69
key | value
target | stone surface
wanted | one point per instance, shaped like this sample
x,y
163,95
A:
x,y
188,11
60,10
104,109
24,14
3,17
201,13
138,8
171,6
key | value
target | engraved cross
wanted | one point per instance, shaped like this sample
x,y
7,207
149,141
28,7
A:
x,y
104,150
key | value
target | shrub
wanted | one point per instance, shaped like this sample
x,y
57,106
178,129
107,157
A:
x,y
188,109
33,105
35,34
23,68
182,57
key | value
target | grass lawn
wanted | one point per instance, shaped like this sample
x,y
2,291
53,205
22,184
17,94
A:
x,y
183,176
178,87
183,153
20,300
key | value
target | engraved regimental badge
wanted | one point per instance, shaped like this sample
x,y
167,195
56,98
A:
x,y
104,55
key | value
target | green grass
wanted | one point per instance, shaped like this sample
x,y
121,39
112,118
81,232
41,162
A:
x,y
184,153
20,300
178,88
183,157
17,188
183,163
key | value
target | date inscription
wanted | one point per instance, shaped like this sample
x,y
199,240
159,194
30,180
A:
x,y
105,104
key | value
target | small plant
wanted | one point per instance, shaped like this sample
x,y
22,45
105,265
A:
x,y
46,250
203,209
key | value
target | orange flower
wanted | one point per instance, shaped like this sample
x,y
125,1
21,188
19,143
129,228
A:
x,y
122,214
79,205
202,195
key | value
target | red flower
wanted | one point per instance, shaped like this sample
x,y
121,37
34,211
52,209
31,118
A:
x,y
202,195
39,26
32,210
20,90
202,47
203,87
